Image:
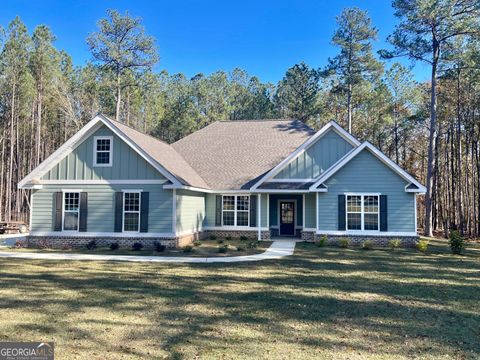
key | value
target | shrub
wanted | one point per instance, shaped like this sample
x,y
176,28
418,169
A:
x,y
220,241
253,244
228,238
188,249
92,245
395,243
114,246
43,244
159,247
367,245
197,243
344,243
322,241
137,246
223,248
456,242
213,237
67,247
241,248
422,245
243,238
20,244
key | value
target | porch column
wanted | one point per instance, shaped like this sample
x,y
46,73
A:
x,y
259,217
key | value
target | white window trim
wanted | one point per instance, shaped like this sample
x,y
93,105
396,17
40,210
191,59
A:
x,y
73,191
95,139
235,210
362,213
139,192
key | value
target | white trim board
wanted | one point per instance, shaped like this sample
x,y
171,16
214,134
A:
x,y
102,182
79,137
331,125
95,151
382,157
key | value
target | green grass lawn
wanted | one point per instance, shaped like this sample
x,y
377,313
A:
x,y
320,303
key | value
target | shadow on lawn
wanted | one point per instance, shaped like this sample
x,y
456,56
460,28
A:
x,y
338,298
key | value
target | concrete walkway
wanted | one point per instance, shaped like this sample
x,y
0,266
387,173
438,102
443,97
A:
x,y
277,250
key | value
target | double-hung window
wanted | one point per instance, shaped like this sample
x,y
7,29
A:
x,y
131,211
71,211
236,210
362,212
102,154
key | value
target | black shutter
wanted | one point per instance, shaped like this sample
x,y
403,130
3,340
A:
x,y
341,213
253,210
118,211
83,212
144,212
57,220
383,213
218,210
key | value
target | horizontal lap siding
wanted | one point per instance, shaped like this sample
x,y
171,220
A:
x,y
365,173
101,207
310,210
127,164
190,211
317,158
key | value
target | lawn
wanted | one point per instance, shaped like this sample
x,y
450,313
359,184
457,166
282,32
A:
x,y
320,303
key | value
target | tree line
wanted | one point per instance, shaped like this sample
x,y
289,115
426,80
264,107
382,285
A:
x,y
430,128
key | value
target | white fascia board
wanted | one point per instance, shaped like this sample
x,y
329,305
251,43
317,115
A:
x,y
381,156
289,180
331,125
103,182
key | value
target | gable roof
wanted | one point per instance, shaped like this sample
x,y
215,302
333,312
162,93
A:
x,y
381,156
157,153
234,154
332,125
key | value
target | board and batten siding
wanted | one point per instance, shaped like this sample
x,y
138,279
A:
x,y
367,174
101,206
210,209
317,158
127,163
190,211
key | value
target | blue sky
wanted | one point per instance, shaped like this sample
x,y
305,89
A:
x,y
263,37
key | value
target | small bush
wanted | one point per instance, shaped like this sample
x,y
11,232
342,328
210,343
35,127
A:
x,y
241,248
422,245
243,238
67,247
367,245
220,241
43,244
114,246
223,248
344,243
20,244
137,246
322,241
188,249
456,242
395,243
197,243
213,237
92,245
159,247
253,244
228,238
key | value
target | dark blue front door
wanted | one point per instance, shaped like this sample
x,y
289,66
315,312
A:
x,y
287,218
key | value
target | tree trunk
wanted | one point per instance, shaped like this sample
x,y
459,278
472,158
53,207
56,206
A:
x,y
119,98
349,107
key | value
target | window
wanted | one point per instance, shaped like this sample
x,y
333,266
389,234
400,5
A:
x,y
236,210
362,212
71,211
131,211
102,154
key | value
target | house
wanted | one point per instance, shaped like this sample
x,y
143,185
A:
x,y
259,179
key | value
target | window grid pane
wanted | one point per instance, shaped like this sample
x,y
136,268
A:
x,y
371,221
228,218
243,202
103,148
71,209
131,221
242,218
354,204
354,221
131,211
235,210
362,212
370,204
229,203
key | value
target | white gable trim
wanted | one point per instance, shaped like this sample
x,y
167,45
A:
x,y
77,139
382,157
301,149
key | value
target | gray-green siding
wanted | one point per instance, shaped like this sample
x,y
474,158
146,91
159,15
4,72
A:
x,y
310,210
127,164
101,207
190,211
317,158
365,173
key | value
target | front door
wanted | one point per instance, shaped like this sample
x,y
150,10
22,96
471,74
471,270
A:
x,y
287,218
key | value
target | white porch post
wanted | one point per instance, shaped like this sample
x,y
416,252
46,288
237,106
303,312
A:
x,y
259,217
316,212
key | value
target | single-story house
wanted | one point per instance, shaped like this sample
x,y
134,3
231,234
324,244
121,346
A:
x,y
259,179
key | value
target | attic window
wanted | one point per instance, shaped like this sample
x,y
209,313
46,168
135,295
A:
x,y
102,151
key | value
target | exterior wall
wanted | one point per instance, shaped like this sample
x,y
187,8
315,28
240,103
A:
x,y
126,164
101,207
317,158
190,211
365,173
310,211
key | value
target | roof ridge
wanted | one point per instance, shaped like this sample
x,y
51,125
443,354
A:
x,y
257,120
